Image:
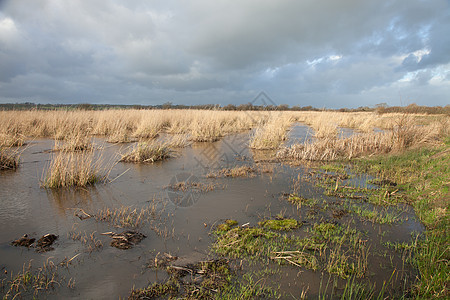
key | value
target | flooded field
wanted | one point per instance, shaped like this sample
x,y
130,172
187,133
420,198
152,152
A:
x,y
208,203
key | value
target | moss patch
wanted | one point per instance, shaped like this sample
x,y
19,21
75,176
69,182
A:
x,y
281,225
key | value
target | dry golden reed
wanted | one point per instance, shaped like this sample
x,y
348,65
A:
x,y
128,125
147,152
73,169
403,136
272,133
271,128
9,158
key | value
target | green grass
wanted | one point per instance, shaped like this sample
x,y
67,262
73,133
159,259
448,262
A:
x,y
227,225
422,178
280,225
299,201
248,288
331,247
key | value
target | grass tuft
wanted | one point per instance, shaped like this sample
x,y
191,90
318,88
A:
x,y
69,169
144,152
242,171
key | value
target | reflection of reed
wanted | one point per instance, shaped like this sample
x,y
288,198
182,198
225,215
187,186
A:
x,y
65,199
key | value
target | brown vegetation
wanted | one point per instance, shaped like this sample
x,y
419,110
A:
x,y
272,133
67,169
9,158
143,152
127,125
405,134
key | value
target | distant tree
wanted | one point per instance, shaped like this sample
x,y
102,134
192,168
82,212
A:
x,y
283,107
229,107
167,105
85,106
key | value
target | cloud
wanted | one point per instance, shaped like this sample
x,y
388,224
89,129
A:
x,y
340,53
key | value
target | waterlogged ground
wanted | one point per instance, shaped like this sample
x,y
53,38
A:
x,y
179,203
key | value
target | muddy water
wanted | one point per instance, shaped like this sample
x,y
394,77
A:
x,y
181,224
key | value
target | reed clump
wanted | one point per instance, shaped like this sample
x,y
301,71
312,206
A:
x,y
11,140
125,216
179,141
76,141
69,169
147,152
271,134
9,158
403,136
241,171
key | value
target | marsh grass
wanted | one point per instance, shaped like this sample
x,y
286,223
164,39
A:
x,y
206,131
89,240
331,247
423,175
403,135
74,142
248,242
120,136
298,258
178,141
193,186
271,134
8,140
147,152
126,216
31,282
214,279
9,158
70,169
238,171
280,224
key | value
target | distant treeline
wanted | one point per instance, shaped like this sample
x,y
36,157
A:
x,y
379,108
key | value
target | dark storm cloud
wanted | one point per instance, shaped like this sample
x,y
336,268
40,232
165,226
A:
x,y
323,53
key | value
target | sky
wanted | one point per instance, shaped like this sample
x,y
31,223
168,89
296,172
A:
x,y
323,53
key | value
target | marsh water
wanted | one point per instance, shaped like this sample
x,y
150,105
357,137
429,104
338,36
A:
x,y
180,224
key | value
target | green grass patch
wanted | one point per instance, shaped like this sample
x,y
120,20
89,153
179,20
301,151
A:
x,y
299,200
422,178
280,225
227,225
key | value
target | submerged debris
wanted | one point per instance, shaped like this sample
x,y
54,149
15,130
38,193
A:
x,y
162,262
205,281
42,245
24,241
242,171
45,242
126,239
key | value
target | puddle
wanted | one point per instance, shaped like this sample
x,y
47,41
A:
x,y
177,221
